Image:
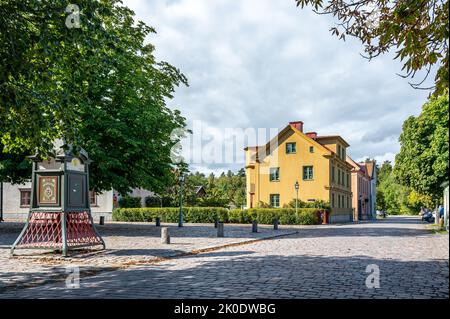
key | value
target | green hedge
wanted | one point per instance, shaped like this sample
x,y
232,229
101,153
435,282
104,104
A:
x,y
286,216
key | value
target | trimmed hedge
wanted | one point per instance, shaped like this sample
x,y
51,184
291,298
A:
x,y
286,216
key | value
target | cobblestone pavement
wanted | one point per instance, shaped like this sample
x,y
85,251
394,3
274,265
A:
x,y
317,262
127,244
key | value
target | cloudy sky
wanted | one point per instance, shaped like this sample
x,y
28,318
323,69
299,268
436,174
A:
x,y
263,63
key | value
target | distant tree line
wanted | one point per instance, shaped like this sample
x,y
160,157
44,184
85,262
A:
x,y
224,190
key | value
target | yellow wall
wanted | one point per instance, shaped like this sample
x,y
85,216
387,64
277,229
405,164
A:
x,y
291,170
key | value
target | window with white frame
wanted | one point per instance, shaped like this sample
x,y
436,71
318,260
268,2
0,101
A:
x,y
308,173
275,200
274,174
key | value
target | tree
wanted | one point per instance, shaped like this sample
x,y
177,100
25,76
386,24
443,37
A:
x,y
396,198
97,85
422,163
227,190
14,167
383,173
417,29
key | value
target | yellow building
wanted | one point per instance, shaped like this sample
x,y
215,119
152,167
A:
x,y
317,163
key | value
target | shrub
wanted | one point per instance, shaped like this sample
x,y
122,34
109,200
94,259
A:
x,y
315,204
170,214
130,202
153,201
286,216
238,216
308,217
264,215
156,201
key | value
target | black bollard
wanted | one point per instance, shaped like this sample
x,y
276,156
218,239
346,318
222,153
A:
x,y
102,220
158,221
275,224
254,226
220,232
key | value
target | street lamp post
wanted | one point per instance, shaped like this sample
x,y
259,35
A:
x,y
296,199
180,216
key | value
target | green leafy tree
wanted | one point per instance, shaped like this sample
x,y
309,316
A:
x,y
422,163
417,200
396,198
97,85
417,29
227,190
383,173
14,167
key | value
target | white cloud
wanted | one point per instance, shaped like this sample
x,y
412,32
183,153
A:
x,y
263,63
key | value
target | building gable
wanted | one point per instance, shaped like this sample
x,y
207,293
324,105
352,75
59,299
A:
x,y
261,152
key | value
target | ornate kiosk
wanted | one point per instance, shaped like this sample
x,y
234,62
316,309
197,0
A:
x,y
60,215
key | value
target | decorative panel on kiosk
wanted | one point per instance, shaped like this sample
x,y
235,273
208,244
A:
x,y
48,191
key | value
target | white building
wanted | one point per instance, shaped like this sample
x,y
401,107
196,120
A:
x,y
16,202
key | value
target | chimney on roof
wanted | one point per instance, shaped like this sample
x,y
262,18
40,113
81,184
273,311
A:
x,y
312,135
298,125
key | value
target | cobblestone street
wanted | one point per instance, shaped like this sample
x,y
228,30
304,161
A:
x,y
313,262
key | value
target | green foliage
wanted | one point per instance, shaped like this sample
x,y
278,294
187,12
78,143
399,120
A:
x,y
417,200
396,198
262,204
99,86
153,201
422,163
222,191
239,216
14,168
129,202
170,214
316,204
287,216
417,29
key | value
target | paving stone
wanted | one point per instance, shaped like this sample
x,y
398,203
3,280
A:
x,y
326,261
